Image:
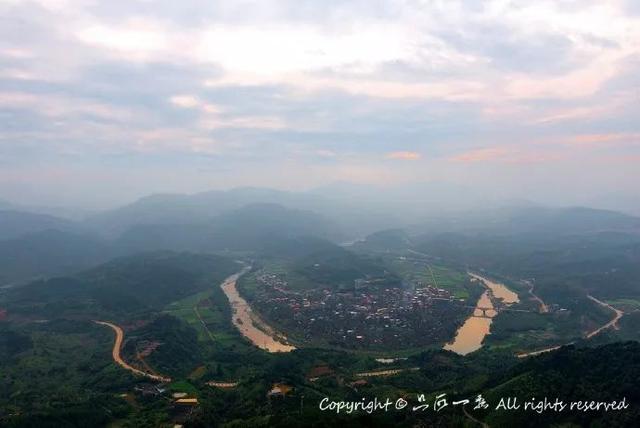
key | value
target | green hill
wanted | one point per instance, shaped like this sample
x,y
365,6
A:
x,y
14,224
49,252
124,286
606,373
249,228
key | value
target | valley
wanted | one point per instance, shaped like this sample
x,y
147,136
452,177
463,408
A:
x,y
319,214
281,321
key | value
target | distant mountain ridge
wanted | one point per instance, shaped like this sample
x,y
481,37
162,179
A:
x,y
174,208
251,219
534,220
246,228
49,252
571,220
14,224
205,206
59,247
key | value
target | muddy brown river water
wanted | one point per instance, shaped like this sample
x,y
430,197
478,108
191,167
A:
x,y
471,334
249,323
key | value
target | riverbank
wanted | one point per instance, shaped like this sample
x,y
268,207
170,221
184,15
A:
x,y
471,334
249,323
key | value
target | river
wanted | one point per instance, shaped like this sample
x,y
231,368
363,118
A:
x,y
500,291
249,323
471,334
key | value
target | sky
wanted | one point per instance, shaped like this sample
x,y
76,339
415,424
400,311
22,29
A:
x,y
104,101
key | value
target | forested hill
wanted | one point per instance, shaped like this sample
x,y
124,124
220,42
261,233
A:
x,y
605,373
17,223
124,286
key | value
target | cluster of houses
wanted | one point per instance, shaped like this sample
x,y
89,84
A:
x,y
364,317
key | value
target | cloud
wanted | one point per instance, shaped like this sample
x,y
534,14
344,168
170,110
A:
x,y
404,155
501,154
330,84
632,6
326,153
480,155
509,49
141,38
185,101
604,140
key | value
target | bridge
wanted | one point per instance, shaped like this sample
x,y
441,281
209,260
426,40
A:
x,y
484,312
497,308
494,309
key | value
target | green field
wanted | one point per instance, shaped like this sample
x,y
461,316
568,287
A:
x,y
184,309
218,332
628,304
414,271
247,284
450,280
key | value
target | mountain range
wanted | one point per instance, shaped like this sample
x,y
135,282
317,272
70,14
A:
x,y
250,219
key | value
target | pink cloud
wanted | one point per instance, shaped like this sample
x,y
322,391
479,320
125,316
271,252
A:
x,y
404,155
504,155
480,155
598,139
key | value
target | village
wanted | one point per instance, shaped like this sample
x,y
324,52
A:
x,y
367,317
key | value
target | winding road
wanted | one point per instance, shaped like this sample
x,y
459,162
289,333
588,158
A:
x,y
468,415
388,372
544,309
611,323
204,324
115,353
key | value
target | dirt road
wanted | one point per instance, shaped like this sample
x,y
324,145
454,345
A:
x,y
204,324
544,309
115,353
389,372
612,323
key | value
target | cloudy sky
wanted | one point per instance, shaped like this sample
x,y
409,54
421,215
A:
x,y
103,101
